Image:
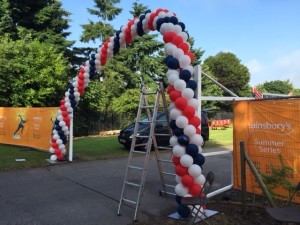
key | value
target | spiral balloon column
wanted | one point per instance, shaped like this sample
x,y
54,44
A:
x,y
185,123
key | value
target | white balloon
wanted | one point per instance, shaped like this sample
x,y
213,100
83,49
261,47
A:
x,y
162,14
56,136
178,150
53,158
200,150
181,190
184,36
170,72
193,102
171,106
163,28
173,140
187,93
196,139
182,121
172,78
186,160
178,29
190,68
200,179
59,141
189,130
65,128
195,170
178,53
67,133
60,118
180,85
51,150
67,104
174,113
184,61
62,123
61,146
54,132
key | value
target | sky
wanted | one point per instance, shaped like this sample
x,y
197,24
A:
x,y
263,34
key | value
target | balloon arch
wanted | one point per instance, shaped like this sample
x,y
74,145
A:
x,y
185,123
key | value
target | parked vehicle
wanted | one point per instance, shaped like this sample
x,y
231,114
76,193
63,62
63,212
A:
x,y
161,127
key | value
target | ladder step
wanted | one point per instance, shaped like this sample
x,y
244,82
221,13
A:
x,y
169,185
139,152
136,167
150,93
139,145
129,201
143,136
170,174
132,184
163,135
165,160
147,107
164,148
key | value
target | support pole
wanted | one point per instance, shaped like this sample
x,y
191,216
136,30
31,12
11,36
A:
x,y
71,140
243,175
246,158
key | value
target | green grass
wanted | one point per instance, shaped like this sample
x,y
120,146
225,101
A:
x,y
87,148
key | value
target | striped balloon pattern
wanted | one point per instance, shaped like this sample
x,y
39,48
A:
x,y
185,123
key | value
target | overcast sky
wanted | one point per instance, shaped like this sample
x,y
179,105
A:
x,y
263,34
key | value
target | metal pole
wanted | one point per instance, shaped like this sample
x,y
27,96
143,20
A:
x,y
259,180
243,175
198,91
71,140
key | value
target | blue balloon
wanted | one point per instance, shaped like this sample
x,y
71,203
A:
x,y
199,159
191,84
183,211
183,140
118,33
92,73
71,96
182,25
172,124
57,127
166,19
177,131
192,150
159,22
92,68
178,199
173,19
56,122
92,62
61,133
70,86
173,63
93,56
147,11
185,75
139,28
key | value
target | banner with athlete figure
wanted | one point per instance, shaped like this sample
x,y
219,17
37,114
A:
x,y
27,126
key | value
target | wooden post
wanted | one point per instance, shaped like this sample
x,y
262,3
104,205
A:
x,y
243,175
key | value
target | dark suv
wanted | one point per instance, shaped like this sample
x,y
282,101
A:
x,y
161,127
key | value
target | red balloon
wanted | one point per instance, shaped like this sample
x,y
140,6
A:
x,y
57,151
80,76
67,119
181,170
80,82
195,189
170,88
62,102
195,121
63,108
150,21
54,145
128,37
177,40
81,70
80,89
198,131
181,103
168,36
60,156
189,112
53,141
187,180
64,113
176,160
191,55
174,95
184,46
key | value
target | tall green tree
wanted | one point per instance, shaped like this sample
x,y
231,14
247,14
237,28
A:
x,y
7,26
278,87
106,11
228,70
35,73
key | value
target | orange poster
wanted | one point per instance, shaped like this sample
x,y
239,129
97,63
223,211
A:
x,y
27,126
269,128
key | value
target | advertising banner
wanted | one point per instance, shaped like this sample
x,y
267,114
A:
x,y
271,132
27,126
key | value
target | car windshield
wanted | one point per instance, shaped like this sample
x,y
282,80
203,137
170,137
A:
x,y
159,116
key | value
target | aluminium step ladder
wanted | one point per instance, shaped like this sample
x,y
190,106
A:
x,y
139,155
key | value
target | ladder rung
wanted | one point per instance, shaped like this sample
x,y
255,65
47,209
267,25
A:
x,y
139,152
129,201
167,192
150,93
147,107
169,185
143,136
136,167
170,174
139,145
165,160
162,135
164,147
132,184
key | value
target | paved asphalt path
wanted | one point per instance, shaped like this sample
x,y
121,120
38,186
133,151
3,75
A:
x,y
88,193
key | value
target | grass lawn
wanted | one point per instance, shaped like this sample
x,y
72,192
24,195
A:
x,y
87,148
